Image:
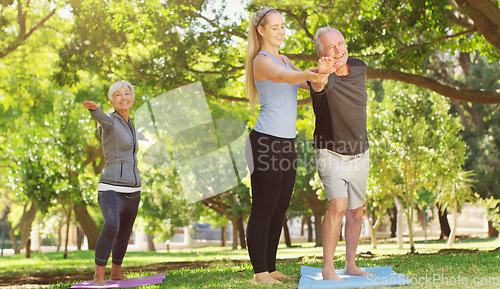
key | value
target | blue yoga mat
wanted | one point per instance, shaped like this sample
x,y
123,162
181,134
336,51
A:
x,y
311,278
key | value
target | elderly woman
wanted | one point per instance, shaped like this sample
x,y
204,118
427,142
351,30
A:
x,y
119,188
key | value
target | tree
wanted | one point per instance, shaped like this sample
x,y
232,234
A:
x,y
162,208
199,41
30,179
26,19
411,132
66,153
162,45
308,191
484,15
305,200
235,206
378,200
392,36
481,127
455,190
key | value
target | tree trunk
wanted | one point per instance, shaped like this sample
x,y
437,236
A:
x,y
443,223
235,233
318,209
372,234
410,221
59,235
421,217
393,216
317,227
80,237
303,223
24,227
492,231
451,239
340,232
309,229
373,231
28,248
223,235
4,227
26,222
286,233
13,239
87,223
68,223
399,218
409,218
151,244
241,231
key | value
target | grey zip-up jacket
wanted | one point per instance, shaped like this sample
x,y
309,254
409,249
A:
x,y
119,142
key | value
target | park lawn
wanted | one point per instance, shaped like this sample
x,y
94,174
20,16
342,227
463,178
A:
x,y
231,269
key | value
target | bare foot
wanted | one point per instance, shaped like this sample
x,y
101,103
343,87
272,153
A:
x,y
100,281
100,271
264,278
118,276
279,276
331,275
354,270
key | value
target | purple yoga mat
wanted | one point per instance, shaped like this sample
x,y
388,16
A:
x,y
132,282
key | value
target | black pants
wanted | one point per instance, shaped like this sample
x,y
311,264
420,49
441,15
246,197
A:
x,y
272,163
118,211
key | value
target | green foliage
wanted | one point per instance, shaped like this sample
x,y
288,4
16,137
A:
x,y
47,154
153,45
482,132
492,207
46,138
163,207
457,188
414,143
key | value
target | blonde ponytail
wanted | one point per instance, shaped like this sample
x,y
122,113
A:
x,y
253,48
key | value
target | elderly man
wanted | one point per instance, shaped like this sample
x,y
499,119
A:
x,y
341,147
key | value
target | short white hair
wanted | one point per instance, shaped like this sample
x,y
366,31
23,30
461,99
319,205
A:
x,y
117,85
317,36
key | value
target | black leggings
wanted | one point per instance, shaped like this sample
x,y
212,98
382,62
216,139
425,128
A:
x,y
272,165
118,211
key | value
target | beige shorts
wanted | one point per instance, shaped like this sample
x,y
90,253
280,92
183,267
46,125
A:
x,y
343,176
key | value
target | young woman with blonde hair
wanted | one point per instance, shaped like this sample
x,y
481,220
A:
x,y
273,80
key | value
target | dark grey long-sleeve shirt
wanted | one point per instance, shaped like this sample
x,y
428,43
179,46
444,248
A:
x,y
119,142
340,110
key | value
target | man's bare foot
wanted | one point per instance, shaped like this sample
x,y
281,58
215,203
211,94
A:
x,y
279,276
118,276
354,270
331,275
100,281
264,278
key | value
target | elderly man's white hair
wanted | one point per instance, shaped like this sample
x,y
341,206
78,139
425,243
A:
x,y
320,32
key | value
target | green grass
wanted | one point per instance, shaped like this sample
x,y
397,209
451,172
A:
x,y
224,272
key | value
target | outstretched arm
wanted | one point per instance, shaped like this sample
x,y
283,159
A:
x,y
90,105
266,69
103,119
325,65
